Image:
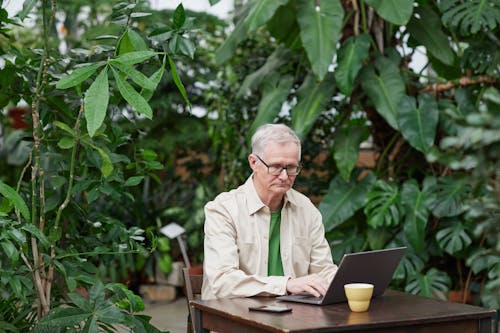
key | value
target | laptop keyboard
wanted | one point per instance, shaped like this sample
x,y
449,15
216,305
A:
x,y
309,297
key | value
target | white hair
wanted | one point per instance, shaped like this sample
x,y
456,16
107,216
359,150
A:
x,y
273,133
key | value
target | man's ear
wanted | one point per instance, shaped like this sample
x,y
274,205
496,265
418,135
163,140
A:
x,y
252,161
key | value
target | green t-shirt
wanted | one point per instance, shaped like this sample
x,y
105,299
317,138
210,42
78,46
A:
x,y
274,264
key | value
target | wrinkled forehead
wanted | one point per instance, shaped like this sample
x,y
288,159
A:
x,y
282,150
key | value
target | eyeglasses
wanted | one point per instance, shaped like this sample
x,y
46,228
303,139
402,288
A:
x,y
276,169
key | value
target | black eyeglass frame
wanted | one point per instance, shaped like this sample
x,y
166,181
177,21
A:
x,y
281,168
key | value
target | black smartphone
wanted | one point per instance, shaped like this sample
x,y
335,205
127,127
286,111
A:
x,y
270,308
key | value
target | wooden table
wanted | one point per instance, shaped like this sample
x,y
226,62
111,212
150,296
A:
x,y
394,312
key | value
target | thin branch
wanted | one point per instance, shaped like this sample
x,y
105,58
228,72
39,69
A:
x,y
461,82
356,16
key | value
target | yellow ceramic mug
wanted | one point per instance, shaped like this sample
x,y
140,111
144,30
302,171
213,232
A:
x,y
358,296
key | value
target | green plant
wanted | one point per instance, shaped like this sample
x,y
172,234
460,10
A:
x,y
59,236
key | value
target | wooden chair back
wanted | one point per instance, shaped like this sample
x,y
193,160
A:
x,y
192,284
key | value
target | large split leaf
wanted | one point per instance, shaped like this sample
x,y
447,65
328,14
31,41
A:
x,y
395,11
320,24
350,59
275,94
454,238
425,27
418,123
468,17
343,199
433,283
312,96
450,196
383,207
346,147
383,83
96,102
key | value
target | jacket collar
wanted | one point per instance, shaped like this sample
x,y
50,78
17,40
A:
x,y
254,203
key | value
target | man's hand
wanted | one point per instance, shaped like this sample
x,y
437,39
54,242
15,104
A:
x,y
312,284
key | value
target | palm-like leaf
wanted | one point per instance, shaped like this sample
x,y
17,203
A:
x,y
410,265
453,239
383,206
320,25
384,85
450,196
483,260
483,57
418,124
434,283
343,200
350,59
468,17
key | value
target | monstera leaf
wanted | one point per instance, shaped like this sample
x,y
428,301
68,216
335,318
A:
x,y
434,283
312,96
453,239
383,207
425,28
384,85
410,265
343,199
450,196
320,24
468,17
350,59
395,11
418,123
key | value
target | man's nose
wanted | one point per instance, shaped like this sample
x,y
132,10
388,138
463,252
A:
x,y
283,174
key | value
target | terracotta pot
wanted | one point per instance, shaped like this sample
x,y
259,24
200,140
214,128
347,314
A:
x,y
196,269
457,296
17,116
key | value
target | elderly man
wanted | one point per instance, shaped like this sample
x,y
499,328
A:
x,y
265,238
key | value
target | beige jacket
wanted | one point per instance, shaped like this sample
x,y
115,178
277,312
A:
x,y
237,242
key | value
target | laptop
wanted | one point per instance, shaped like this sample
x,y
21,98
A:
x,y
375,267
